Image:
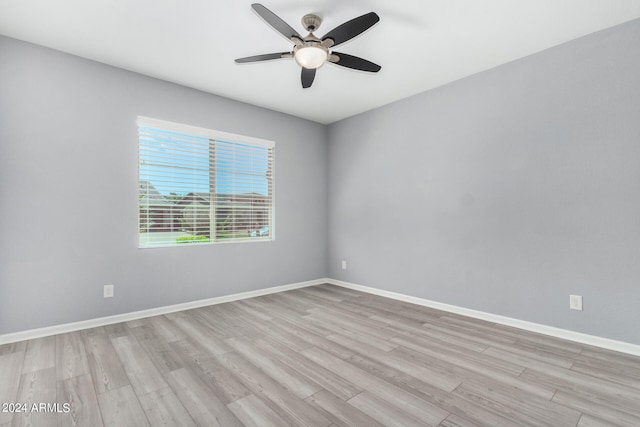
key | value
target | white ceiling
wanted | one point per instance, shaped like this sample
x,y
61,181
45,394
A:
x,y
421,44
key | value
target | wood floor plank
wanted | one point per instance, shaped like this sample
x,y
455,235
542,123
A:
x,y
159,351
551,352
596,408
13,347
351,305
395,396
589,421
610,357
120,408
302,327
168,330
429,333
218,322
71,358
536,339
117,330
188,348
454,420
345,292
257,328
341,335
595,389
625,376
276,304
353,321
539,389
225,386
136,323
199,331
314,293
306,368
302,323
286,404
290,335
236,319
340,412
140,370
348,294
301,386
253,412
529,358
290,304
358,325
480,362
79,393
10,369
163,408
474,327
254,308
105,366
40,354
520,407
437,378
385,413
447,401
487,337
386,306
37,388
199,400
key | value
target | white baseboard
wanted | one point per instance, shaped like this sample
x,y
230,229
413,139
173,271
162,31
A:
x,y
578,337
596,341
125,317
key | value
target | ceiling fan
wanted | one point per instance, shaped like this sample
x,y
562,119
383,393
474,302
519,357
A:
x,y
311,52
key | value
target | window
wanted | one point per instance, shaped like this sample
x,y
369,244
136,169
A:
x,y
202,186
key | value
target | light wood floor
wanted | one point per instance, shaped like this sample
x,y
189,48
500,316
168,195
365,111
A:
x,y
317,356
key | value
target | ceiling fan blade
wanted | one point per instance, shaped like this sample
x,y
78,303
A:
x,y
350,29
276,22
307,77
264,57
356,63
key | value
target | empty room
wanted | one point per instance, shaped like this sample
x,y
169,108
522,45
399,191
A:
x,y
320,213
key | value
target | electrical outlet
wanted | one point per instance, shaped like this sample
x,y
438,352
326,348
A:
x,y
575,302
344,264
108,291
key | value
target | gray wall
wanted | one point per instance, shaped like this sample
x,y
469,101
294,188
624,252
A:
x,y
503,192
68,193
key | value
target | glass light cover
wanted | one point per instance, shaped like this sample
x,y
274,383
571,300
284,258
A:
x,y
310,57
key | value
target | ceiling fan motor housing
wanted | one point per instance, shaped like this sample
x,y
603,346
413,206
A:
x,y
311,22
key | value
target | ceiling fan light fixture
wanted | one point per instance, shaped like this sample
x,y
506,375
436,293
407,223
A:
x,y
311,52
311,57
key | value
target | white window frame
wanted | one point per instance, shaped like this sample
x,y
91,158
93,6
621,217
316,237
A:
x,y
213,136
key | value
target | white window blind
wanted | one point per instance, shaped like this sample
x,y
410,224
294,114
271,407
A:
x,y
202,186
